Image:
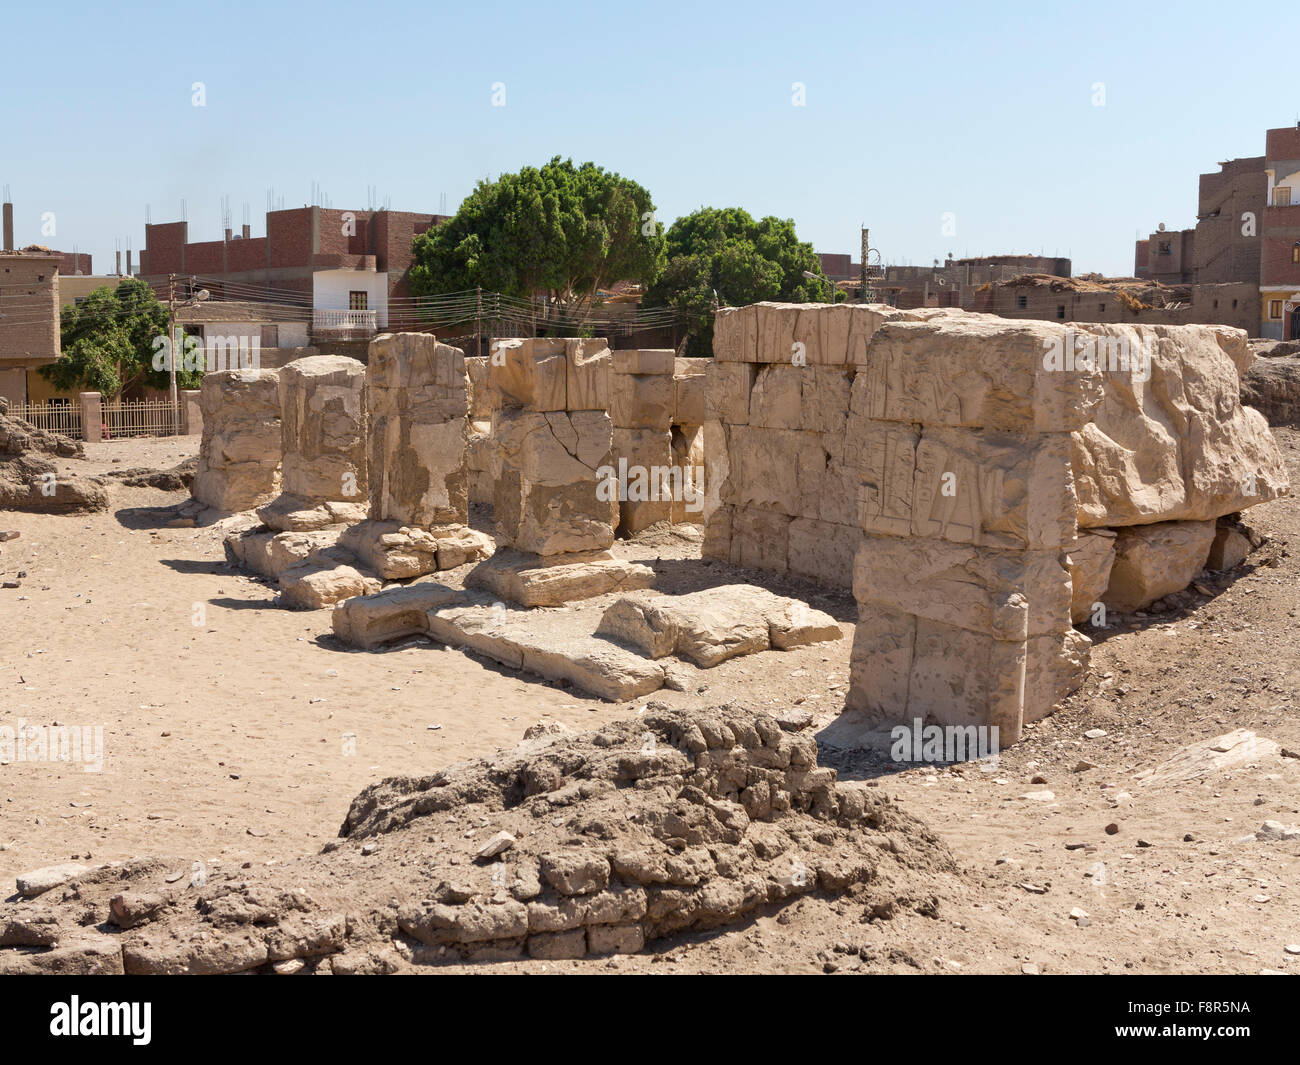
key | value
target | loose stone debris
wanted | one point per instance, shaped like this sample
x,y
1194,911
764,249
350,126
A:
x,y
603,842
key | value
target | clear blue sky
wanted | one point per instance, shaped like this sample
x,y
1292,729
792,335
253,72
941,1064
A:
x,y
984,110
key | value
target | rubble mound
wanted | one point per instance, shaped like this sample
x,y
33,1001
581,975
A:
x,y
1272,387
177,479
571,844
28,481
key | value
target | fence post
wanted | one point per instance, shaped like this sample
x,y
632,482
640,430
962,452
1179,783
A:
x,y
92,417
192,414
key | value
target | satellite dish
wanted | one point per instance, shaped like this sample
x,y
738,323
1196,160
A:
x,y
1160,228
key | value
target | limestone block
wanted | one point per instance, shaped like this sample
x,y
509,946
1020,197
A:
x,y
322,579
478,459
529,372
1179,446
968,486
322,420
546,471
823,551
643,461
557,645
1152,561
828,335
1009,595
477,387
1055,666
1229,549
641,401
903,667
824,398
727,389
688,458
711,626
717,465
1090,560
690,390
396,551
590,364
533,581
717,534
417,471
779,469
368,621
644,361
239,450
759,538
775,400
288,513
976,372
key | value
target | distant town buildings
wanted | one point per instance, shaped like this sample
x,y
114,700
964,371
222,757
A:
x,y
342,266
1247,234
29,311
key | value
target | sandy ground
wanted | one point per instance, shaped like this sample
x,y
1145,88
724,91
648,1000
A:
x,y
226,725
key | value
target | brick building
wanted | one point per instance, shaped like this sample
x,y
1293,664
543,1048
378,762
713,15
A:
x,y
29,317
344,265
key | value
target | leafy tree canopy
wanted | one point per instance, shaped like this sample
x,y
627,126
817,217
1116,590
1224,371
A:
x,y
108,343
725,251
560,231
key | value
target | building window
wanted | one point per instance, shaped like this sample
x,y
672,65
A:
x,y
1234,305
1060,310
1101,308
1295,252
1275,308
358,301
1022,301
1282,196
1165,247
1216,305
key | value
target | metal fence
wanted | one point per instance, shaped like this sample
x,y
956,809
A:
x,y
62,418
138,417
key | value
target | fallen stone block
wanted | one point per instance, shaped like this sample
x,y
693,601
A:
x,y
532,580
1090,560
1229,549
396,551
1177,447
322,579
1152,561
711,626
553,644
369,621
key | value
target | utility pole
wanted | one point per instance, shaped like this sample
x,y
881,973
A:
x,y
171,323
862,295
478,320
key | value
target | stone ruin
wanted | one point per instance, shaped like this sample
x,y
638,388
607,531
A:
x,y
656,404
983,486
29,479
416,461
568,846
985,482
322,445
239,451
551,439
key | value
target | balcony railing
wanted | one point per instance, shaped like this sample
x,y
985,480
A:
x,y
361,323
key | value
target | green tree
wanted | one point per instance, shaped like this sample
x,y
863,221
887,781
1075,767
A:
x,y
108,343
724,251
554,235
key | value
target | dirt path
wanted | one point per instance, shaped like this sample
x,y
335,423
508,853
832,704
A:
x,y
228,741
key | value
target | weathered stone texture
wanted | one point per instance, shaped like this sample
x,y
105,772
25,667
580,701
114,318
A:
x,y
239,451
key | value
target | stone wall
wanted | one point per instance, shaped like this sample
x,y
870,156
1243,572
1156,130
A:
x,y
981,482
323,444
239,450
